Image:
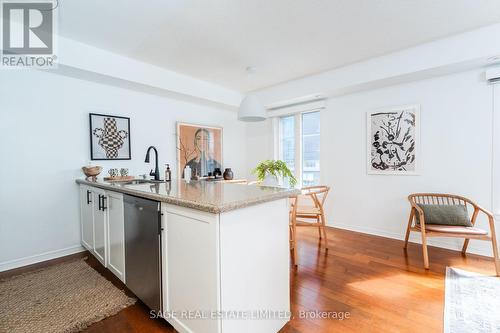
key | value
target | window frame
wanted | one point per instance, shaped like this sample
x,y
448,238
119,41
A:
x,y
495,197
302,144
280,140
298,141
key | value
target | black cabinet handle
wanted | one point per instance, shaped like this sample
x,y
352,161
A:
x,y
104,202
160,214
88,197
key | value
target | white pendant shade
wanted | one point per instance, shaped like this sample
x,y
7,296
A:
x,y
251,109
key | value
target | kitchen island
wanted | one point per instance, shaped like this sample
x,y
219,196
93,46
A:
x,y
223,250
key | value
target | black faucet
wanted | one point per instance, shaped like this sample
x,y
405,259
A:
x,y
156,174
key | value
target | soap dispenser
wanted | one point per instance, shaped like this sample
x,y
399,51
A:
x,y
187,173
168,174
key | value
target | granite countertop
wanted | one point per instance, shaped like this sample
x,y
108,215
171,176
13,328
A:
x,y
209,196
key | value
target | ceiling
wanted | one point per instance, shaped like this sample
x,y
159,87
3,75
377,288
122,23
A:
x,y
215,40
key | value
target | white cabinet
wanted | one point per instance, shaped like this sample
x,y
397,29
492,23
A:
x,y
87,217
116,235
102,227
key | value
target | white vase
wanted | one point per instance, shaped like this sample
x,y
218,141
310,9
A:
x,y
271,180
279,181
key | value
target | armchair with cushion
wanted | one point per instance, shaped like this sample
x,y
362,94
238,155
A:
x,y
446,215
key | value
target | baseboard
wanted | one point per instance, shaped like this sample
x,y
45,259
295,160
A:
x,y
445,243
16,263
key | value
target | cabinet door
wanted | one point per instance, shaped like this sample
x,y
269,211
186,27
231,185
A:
x,y
87,217
192,277
116,243
100,206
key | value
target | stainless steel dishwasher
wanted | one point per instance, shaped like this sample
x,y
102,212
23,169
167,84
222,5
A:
x,y
143,249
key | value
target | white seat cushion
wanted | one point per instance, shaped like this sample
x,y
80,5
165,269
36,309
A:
x,y
454,229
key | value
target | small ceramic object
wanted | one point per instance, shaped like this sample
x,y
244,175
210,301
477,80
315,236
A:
x,y
217,173
123,172
113,172
228,174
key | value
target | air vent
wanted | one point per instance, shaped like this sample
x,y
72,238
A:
x,y
493,75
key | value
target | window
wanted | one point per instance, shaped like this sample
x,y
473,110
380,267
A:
x,y
299,146
287,141
310,148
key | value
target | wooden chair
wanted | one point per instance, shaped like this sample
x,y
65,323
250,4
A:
x,y
434,230
307,210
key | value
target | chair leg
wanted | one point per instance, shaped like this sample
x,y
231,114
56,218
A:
x,y
464,248
491,221
319,227
323,227
294,233
424,250
410,220
496,258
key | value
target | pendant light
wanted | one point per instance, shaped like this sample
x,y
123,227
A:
x,y
251,109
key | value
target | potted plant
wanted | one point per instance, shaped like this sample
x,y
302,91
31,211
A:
x,y
271,172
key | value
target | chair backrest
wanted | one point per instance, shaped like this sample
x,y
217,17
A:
x,y
443,200
439,199
317,193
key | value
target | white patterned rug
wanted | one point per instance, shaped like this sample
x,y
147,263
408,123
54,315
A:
x,y
472,302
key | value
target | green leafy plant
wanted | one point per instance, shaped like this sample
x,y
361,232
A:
x,y
274,168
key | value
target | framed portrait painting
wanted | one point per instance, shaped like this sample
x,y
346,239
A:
x,y
393,140
200,147
109,137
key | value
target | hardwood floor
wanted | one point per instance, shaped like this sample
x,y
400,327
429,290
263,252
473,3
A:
x,y
371,278
383,288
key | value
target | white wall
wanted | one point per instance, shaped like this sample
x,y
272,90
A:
x,y
45,140
259,141
456,153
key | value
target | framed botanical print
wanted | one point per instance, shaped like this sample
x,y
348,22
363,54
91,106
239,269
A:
x,y
109,137
393,140
200,147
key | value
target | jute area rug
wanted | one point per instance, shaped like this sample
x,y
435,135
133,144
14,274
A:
x,y
472,302
66,297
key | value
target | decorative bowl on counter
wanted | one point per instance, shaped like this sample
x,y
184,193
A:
x,y
91,171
